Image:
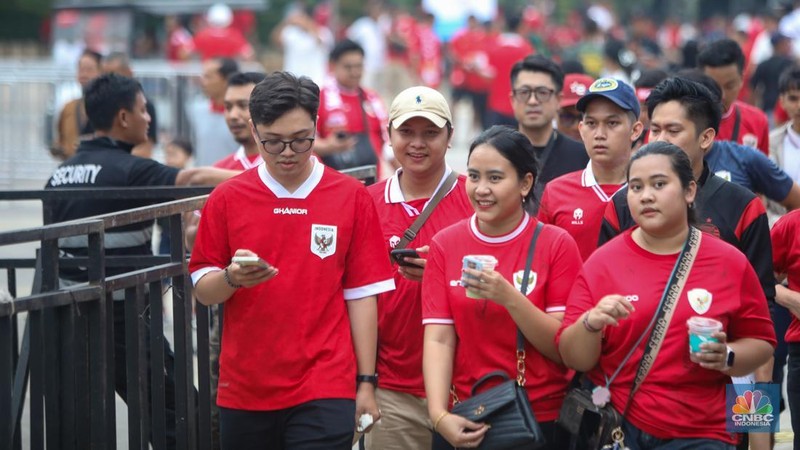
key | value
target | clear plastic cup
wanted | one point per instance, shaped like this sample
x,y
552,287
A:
x,y
700,331
477,262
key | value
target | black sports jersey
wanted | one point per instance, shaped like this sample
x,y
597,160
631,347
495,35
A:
x,y
103,162
723,209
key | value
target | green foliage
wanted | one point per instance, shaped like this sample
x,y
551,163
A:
x,y
22,19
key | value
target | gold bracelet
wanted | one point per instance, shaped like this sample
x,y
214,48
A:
x,y
439,419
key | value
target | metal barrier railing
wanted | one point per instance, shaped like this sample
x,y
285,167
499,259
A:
x,y
66,359
66,354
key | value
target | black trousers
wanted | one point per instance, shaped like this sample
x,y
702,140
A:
x,y
120,373
325,424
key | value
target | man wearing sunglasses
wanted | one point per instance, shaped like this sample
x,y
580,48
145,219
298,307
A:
x,y
536,84
297,368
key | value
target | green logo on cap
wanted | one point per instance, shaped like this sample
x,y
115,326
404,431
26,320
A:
x,y
419,99
603,85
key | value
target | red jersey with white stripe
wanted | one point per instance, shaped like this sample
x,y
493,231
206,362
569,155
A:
x,y
341,110
753,126
487,335
430,56
239,160
507,49
576,203
400,311
721,285
287,340
786,259
471,59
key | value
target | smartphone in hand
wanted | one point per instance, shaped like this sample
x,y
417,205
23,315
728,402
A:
x,y
245,261
399,255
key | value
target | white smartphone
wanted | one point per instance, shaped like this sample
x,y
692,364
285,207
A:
x,y
250,261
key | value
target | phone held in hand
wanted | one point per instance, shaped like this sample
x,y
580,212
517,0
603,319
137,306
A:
x,y
399,255
245,261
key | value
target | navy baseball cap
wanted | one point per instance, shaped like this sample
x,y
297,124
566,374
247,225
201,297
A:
x,y
615,90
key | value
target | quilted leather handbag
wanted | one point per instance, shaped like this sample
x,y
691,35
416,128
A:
x,y
507,409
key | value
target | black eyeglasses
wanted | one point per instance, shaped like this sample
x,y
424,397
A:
x,y
277,146
542,94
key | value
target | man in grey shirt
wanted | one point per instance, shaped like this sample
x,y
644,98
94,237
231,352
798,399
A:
x,y
210,136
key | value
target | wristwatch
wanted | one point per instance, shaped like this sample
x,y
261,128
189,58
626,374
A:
x,y
729,358
373,379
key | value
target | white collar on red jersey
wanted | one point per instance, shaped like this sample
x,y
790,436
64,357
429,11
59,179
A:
x,y
244,160
588,180
393,194
730,110
473,226
303,191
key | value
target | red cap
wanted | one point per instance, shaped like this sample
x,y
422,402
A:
x,y
575,86
642,93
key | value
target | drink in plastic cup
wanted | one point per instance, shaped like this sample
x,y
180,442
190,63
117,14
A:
x,y
700,331
477,262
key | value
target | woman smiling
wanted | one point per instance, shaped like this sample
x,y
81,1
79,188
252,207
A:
x,y
468,336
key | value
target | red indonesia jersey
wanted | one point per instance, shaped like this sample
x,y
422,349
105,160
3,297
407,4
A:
x,y
404,28
400,311
287,340
576,203
430,57
469,51
753,127
341,110
721,285
239,161
228,42
507,49
487,336
786,259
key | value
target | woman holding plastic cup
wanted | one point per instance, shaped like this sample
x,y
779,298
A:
x,y
468,336
620,293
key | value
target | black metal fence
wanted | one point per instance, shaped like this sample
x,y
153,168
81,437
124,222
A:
x,y
64,363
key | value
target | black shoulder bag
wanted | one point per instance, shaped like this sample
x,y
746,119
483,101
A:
x,y
363,154
596,425
506,407
737,120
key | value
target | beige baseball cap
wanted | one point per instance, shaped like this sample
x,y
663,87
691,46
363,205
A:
x,y
420,101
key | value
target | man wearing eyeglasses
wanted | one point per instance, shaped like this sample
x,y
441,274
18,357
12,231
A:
x,y
535,96
297,368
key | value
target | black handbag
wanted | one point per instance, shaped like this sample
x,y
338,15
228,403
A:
x,y
363,154
597,427
506,407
